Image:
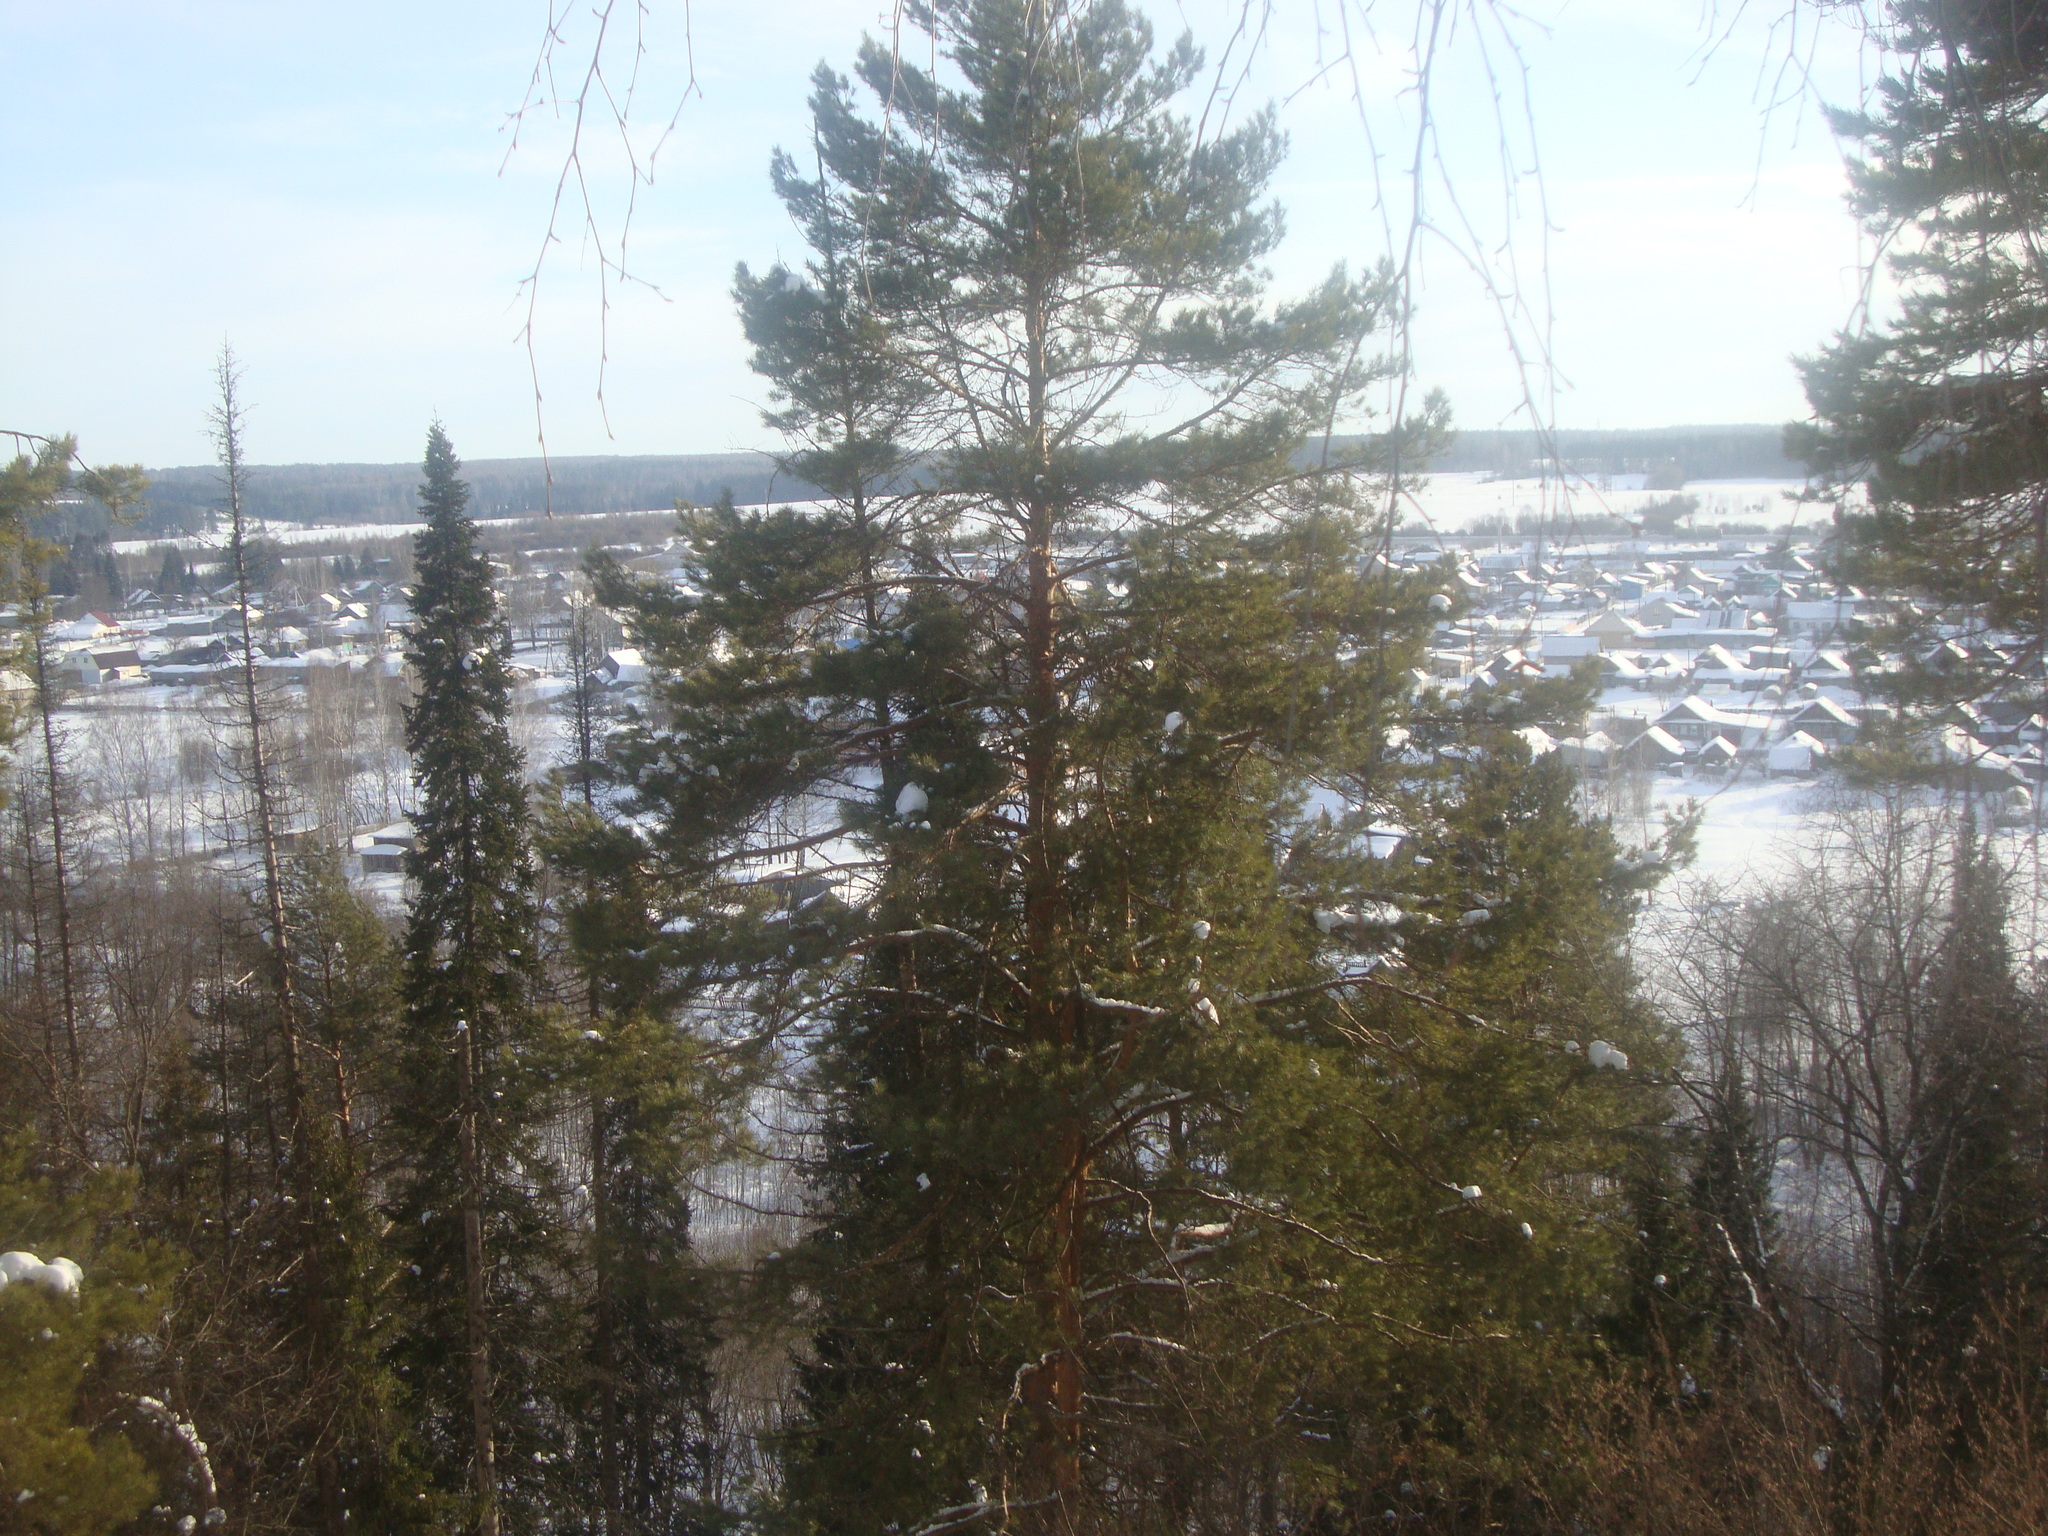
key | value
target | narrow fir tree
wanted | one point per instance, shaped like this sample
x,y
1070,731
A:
x,y
474,1202
307,1157
1966,1239
37,617
657,1108
1732,1210
588,708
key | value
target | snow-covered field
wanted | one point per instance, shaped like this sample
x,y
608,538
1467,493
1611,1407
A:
x,y
1448,503
353,533
150,766
1756,832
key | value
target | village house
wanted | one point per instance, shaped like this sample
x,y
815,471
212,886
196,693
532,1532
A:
x,y
1694,722
87,668
1655,749
1667,613
1798,753
622,669
1824,721
1612,628
1826,618
383,852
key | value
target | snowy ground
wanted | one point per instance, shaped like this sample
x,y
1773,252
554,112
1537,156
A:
x,y
149,766
1757,831
146,753
1754,825
1446,503
352,533
1449,503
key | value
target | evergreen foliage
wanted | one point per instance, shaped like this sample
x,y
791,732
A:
x,y
1939,411
1969,1219
475,1210
1732,1208
1172,1135
35,487
646,1409
657,1110
296,1369
83,1450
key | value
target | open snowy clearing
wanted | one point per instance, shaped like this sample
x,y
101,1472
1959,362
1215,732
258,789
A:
x,y
1450,503
353,533
1444,503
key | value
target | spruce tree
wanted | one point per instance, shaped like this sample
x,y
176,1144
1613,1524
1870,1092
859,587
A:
x,y
475,1204
1966,1241
309,1429
656,1110
648,1426
1734,1217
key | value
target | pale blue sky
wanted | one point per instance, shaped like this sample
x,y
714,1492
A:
x,y
321,182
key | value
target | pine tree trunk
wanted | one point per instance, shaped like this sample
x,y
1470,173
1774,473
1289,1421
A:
x,y
63,1107
1059,1380
2041,572
583,704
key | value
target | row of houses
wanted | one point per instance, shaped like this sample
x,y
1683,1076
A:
x,y
355,628
1709,660
2001,750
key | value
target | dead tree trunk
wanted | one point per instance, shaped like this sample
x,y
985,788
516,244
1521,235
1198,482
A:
x,y
302,1136
59,869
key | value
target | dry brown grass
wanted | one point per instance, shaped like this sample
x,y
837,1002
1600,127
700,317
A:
x,y
1767,1456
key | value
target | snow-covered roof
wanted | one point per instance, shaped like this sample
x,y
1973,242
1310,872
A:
x,y
1796,753
1694,709
1660,742
1823,708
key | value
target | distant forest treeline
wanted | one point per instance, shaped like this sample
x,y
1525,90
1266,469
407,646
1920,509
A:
x,y
1673,454
182,500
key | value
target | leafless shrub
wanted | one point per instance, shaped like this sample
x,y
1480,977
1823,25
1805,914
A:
x,y
1762,1457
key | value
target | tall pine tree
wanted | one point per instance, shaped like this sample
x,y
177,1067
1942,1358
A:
x,y
1940,412
1004,803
